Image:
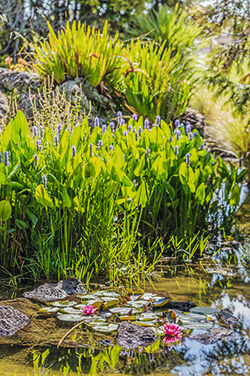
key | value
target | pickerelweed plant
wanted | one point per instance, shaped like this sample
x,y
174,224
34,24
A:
x,y
76,201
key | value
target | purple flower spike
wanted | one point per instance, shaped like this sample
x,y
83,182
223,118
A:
x,y
140,130
56,140
111,147
135,117
41,131
1,158
59,129
158,120
122,122
170,139
129,128
196,134
44,180
90,150
125,133
135,182
188,158
104,129
190,136
134,130
73,151
97,122
240,162
100,144
154,125
136,137
177,123
146,124
202,146
112,126
148,152
119,114
34,130
177,133
6,158
188,127
35,159
176,150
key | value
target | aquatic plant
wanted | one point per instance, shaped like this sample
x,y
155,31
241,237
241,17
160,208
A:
x,y
88,310
172,329
82,208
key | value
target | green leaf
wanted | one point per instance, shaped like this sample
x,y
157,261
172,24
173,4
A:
x,y
235,196
21,224
200,193
5,210
42,197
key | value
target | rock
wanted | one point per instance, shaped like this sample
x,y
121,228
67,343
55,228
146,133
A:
x,y
196,119
226,316
74,94
11,320
4,106
50,292
131,336
72,286
181,306
212,335
21,81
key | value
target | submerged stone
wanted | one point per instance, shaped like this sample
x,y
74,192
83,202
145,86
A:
x,y
131,336
181,306
228,318
49,291
212,336
11,320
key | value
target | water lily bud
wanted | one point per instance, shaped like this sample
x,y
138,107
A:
x,y
176,150
188,158
6,158
44,181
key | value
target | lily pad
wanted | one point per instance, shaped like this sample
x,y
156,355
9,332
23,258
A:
x,y
69,310
122,310
204,310
49,309
105,328
62,304
69,317
197,325
148,316
160,303
147,324
196,317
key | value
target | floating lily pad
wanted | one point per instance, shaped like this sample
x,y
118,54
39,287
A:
x,y
112,302
196,317
197,325
69,317
148,316
147,324
105,328
160,303
62,304
69,310
123,310
88,297
49,309
204,310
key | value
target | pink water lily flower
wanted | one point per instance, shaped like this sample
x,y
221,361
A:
x,y
170,339
88,310
172,330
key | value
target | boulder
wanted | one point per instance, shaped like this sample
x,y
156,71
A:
x,y
50,292
212,335
18,80
131,336
11,320
226,316
4,106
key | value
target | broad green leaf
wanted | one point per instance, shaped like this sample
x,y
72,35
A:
x,y
5,210
21,224
43,197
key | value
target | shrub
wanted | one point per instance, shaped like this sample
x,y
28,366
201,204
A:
x,y
72,200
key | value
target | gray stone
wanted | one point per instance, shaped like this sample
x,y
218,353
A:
x,y
131,336
226,316
51,292
11,320
4,106
21,81
212,335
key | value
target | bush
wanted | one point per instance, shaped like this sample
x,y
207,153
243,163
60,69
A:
x,y
74,201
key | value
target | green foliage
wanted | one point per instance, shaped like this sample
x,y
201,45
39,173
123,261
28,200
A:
x,y
171,26
79,53
156,83
80,204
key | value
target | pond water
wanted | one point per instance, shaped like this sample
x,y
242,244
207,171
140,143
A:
x,y
217,287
